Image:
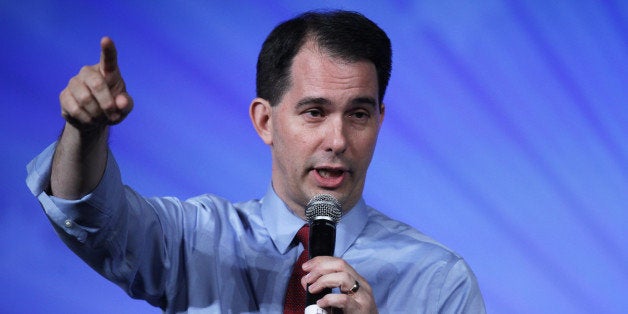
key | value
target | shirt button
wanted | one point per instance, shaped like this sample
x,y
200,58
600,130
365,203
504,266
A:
x,y
68,223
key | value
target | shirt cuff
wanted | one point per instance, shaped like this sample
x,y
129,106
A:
x,y
82,217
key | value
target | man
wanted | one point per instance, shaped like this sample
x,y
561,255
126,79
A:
x,y
321,79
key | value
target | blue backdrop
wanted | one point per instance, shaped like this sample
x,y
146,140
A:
x,y
506,131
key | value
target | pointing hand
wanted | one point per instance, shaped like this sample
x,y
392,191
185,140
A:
x,y
96,96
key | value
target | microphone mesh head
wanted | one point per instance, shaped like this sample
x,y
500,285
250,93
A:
x,y
323,206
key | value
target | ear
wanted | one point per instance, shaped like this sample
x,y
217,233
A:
x,y
382,111
260,116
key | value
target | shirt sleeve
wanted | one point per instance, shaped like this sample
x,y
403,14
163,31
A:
x,y
76,220
460,291
117,232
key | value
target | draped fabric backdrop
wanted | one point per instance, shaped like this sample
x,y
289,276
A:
x,y
505,136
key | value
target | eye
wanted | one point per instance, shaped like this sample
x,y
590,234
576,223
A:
x,y
360,115
314,113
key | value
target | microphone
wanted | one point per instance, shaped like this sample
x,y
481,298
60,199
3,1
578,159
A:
x,y
323,213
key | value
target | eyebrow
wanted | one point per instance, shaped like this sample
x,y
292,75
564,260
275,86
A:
x,y
364,100
313,101
324,101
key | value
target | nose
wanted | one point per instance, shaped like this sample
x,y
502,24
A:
x,y
336,137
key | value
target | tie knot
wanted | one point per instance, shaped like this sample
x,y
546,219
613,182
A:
x,y
303,235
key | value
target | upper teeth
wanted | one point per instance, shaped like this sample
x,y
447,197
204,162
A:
x,y
327,173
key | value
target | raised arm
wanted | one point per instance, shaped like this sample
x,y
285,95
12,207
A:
x,y
92,101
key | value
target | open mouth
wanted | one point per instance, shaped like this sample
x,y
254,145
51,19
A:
x,y
329,178
329,173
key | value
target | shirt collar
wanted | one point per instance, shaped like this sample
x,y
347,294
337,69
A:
x,y
283,224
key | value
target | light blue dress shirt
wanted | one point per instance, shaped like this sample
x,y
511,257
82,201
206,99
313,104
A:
x,y
209,255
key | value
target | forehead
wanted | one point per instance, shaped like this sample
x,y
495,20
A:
x,y
316,70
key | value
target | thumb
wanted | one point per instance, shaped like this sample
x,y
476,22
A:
x,y
124,105
108,56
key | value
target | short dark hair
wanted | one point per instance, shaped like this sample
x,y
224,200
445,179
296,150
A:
x,y
343,34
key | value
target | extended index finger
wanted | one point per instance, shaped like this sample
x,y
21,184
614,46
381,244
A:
x,y
108,56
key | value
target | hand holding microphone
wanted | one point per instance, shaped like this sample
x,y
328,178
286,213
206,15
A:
x,y
325,271
323,213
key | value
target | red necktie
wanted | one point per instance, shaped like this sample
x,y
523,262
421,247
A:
x,y
295,294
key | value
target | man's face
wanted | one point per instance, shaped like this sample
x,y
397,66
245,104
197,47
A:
x,y
324,130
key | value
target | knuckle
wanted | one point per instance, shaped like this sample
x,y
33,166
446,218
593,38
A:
x,y
96,82
343,263
63,95
73,82
82,96
85,69
73,111
340,265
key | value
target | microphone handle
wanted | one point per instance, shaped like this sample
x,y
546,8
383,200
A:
x,y
322,243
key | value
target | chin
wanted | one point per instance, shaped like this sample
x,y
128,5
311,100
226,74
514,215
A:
x,y
342,198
